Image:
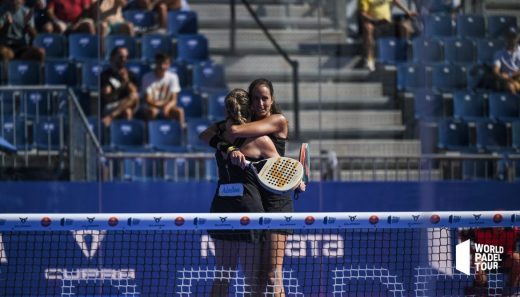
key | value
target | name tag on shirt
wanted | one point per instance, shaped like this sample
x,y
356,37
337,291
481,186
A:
x,y
231,190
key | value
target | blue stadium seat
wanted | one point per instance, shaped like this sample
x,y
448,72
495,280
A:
x,y
412,76
8,103
498,25
83,46
141,19
391,50
90,74
449,77
208,77
480,77
165,135
182,73
182,22
428,105
129,42
36,103
469,106
192,48
438,25
139,69
54,44
15,131
60,72
152,44
427,50
49,133
191,102
127,135
459,51
453,135
471,26
503,107
486,49
23,73
216,105
491,136
195,127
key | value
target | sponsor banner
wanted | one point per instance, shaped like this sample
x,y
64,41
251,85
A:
x,y
206,221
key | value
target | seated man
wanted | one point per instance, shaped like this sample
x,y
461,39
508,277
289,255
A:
x,y
507,65
376,18
70,16
16,32
119,94
160,88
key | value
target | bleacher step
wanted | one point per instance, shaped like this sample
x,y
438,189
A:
x,y
341,95
249,67
223,10
254,39
367,147
347,124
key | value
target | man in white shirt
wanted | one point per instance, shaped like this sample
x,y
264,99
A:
x,y
160,89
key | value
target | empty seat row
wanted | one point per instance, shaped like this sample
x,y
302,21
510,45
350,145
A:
x,y
190,48
157,135
466,25
179,22
490,136
444,77
450,50
46,133
468,106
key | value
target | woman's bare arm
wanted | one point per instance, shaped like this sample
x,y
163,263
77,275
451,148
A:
x,y
276,123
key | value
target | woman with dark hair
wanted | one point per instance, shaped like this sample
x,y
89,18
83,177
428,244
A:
x,y
267,119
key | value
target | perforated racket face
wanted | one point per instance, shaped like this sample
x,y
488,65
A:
x,y
281,174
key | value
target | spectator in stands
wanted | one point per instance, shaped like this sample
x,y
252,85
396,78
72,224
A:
x,y
506,238
119,93
376,19
507,65
71,16
41,16
161,7
17,32
160,88
110,15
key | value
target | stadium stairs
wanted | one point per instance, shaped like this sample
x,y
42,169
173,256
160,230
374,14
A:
x,y
356,116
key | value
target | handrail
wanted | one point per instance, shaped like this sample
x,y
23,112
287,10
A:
x,y
293,63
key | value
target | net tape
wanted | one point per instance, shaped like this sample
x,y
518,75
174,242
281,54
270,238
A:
x,y
246,221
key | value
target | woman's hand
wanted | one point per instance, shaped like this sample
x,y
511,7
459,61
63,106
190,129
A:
x,y
301,187
237,158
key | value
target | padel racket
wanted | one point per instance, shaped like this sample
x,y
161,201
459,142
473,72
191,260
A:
x,y
305,160
278,175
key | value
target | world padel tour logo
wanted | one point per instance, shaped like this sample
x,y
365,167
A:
x,y
486,257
